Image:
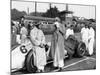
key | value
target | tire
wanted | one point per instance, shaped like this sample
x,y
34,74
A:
x,y
70,45
29,62
70,52
81,49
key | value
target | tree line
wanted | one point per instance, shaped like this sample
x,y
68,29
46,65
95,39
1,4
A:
x,y
51,13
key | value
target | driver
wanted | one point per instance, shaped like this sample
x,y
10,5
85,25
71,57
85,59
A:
x,y
59,44
38,40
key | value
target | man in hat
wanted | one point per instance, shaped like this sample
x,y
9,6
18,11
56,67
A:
x,y
91,36
38,40
59,44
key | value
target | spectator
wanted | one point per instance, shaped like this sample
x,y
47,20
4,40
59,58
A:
x,y
29,27
23,33
84,34
22,21
69,31
91,40
14,28
13,34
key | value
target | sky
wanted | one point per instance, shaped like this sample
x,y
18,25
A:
x,y
79,10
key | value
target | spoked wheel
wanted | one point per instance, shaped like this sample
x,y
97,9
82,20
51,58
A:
x,y
81,49
30,62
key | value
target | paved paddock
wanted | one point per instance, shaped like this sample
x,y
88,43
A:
x,y
85,63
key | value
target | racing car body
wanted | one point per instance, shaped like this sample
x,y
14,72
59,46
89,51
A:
x,y
23,55
19,53
74,46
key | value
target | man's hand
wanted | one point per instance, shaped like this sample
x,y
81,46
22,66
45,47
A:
x,y
41,45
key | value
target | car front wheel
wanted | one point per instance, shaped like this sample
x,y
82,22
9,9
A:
x,y
30,62
81,49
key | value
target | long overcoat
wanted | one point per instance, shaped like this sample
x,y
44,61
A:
x,y
58,39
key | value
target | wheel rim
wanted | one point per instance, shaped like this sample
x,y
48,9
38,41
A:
x,y
81,51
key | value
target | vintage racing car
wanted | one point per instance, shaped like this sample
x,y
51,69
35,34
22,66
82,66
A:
x,y
22,57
